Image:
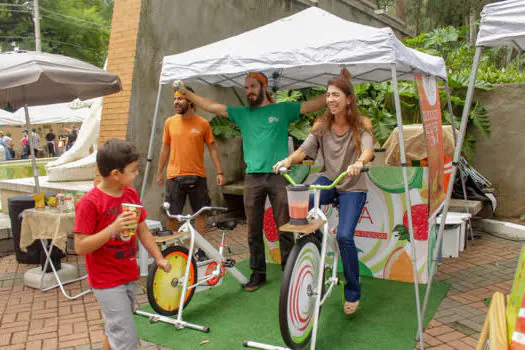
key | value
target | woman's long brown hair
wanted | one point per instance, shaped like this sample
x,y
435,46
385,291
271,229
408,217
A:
x,y
324,123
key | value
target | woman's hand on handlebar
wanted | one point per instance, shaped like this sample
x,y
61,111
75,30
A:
x,y
354,169
285,163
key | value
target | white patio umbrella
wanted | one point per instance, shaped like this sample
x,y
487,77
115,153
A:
x,y
29,78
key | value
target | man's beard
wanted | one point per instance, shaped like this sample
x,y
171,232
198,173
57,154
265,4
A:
x,y
184,108
258,100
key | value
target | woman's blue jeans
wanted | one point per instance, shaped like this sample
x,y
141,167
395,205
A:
x,y
350,207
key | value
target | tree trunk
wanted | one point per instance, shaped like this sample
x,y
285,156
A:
x,y
472,23
418,16
401,10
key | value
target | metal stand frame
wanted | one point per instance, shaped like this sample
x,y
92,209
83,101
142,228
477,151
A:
x,y
408,201
49,262
214,254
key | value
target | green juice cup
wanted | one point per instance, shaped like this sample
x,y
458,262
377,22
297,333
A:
x,y
130,230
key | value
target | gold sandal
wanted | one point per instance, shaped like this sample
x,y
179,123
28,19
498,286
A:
x,y
350,307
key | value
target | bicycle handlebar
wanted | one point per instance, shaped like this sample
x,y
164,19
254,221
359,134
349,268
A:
x,y
284,171
181,217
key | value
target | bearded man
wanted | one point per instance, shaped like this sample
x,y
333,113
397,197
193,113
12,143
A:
x,y
185,135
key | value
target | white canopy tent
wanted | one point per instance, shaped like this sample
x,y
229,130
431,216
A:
x,y
502,24
55,113
7,118
297,52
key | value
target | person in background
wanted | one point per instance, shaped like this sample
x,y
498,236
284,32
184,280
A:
x,y
62,141
71,138
24,142
8,140
8,155
36,142
51,141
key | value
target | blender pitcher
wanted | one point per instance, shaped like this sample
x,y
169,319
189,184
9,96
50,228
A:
x,y
298,200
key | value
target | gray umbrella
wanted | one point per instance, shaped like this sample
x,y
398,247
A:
x,y
30,78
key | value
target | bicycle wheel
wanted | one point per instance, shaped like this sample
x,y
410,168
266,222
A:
x,y
296,300
163,288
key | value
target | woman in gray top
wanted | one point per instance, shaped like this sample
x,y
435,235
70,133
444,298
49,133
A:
x,y
345,145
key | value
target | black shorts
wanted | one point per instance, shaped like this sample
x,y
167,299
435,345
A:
x,y
194,187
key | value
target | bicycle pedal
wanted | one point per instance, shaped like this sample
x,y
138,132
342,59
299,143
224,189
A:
x,y
229,263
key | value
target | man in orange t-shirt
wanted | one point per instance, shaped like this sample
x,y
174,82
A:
x,y
185,135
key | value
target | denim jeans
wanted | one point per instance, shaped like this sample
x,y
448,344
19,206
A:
x,y
350,207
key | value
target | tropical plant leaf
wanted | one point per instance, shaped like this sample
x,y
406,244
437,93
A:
x,y
222,127
469,147
288,96
300,129
480,118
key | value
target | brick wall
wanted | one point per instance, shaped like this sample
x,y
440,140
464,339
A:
x,y
121,60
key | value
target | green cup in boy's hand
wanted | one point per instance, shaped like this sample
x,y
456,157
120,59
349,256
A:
x,y
124,220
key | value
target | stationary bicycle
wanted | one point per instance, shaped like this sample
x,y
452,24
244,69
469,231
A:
x,y
170,292
309,276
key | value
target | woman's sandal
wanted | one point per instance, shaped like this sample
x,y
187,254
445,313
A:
x,y
350,307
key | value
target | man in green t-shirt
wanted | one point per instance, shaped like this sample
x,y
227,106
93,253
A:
x,y
264,129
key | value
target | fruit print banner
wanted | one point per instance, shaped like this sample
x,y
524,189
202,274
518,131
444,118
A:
x,y
382,239
431,114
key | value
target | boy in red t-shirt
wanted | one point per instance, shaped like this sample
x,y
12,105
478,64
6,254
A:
x,y
111,256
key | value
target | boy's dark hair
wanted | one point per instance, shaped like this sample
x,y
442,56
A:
x,y
115,154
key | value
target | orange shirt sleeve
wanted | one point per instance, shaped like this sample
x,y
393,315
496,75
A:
x,y
166,135
208,134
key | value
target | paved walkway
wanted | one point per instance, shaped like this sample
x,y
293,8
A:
x,y
30,319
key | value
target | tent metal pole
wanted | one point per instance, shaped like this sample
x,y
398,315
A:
x,y
462,179
457,153
32,150
150,146
143,253
407,199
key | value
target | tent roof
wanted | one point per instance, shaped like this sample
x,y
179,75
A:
x,y
305,49
503,24
56,113
7,118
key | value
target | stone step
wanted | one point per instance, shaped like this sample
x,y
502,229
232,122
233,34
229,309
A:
x,y
6,246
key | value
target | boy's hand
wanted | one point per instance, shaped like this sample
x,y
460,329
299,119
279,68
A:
x,y
125,220
164,265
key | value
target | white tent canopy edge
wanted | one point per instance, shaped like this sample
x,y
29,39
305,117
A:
x,y
309,59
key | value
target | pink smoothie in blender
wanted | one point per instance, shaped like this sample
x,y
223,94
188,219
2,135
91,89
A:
x,y
298,200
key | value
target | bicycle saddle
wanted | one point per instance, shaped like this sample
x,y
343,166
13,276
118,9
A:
x,y
228,224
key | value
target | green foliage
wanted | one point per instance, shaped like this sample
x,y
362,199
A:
x,y
75,28
222,127
299,129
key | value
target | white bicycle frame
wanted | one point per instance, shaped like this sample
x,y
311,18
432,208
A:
x,y
328,240
214,254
